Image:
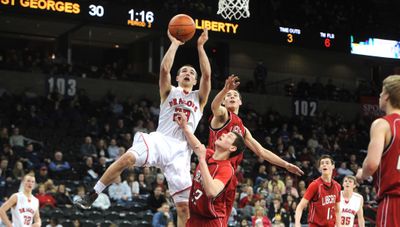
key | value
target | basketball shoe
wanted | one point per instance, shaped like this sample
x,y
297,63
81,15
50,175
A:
x,y
87,201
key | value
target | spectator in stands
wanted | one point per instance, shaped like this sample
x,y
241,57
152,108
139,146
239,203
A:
x,y
249,199
89,171
54,222
102,202
120,129
101,165
18,171
343,171
126,140
42,176
113,149
88,149
62,197
5,170
155,199
139,127
101,147
159,182
133,184
49,187
59,169
16,139
277,214
4,136
9,154
260,219
276,180
120,193
143,188
30,157
107,132
80,193
290,190
261,176
45,199
262,190
162,217
92,127
149,175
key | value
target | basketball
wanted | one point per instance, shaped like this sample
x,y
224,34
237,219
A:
x,y
182,27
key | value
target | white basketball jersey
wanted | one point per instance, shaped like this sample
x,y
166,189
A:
x,y
349,209
24,210
178,101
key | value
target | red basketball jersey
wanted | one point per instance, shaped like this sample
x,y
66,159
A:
x,y
387,177
234,124
199,203
322,198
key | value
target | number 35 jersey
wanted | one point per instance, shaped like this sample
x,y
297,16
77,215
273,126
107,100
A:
x,y
349,209
179,101
199,203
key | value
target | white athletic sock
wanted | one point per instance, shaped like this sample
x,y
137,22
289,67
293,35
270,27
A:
x,y
99,187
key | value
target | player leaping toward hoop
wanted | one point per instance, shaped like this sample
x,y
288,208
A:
x,y
225,109
167,148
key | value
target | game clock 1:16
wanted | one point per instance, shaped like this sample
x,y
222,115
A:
x,y
140,18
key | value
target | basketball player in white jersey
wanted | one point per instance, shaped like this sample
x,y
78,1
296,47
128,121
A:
x,y
351,203
167,148
24,206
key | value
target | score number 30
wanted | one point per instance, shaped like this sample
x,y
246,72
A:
x,y
96,10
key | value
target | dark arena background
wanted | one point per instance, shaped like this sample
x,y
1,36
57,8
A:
x,y
79,78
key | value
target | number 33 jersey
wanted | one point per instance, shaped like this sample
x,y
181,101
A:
x,y
199,203
179,101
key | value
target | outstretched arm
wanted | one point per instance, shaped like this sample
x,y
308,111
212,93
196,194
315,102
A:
x,y
375,149
205,68
268,155
220,113
212,187
165,68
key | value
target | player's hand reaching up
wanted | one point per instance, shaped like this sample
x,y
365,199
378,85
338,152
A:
x,y
174,40
294,169
203,38
231,83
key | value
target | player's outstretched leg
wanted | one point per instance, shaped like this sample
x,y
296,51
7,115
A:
x,y
112,172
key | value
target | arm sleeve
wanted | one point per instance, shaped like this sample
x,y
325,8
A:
x,y
311,191
224,174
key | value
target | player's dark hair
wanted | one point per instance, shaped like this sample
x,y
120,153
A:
x,y
325,156
239,144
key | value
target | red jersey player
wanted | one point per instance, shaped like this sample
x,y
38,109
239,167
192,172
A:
x,y
207,200
225,109
383,158
323,194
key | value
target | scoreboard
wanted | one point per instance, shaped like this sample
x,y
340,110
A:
x,y
139,16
